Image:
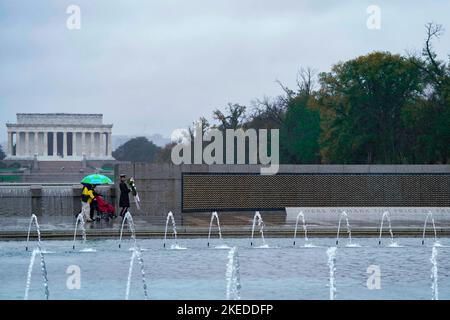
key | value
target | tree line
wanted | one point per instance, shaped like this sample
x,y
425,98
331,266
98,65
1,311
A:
x,y
380,108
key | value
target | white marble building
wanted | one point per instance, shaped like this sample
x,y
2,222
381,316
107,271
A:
x,y
59,136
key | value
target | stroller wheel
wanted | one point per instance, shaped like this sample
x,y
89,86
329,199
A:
x,y
97,219
106,219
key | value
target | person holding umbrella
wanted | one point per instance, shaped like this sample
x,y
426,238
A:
x,y
87,198
88,194
124,201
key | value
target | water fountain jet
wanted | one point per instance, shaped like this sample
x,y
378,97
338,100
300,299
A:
x,y
233,275
128,218
38,230
174,228
136,253
214,215
349,230
429,215
434,274
305,230
81,222
257,219
36,251
331,253
386,215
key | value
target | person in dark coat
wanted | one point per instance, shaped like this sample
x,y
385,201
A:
x,y
124,201
93,205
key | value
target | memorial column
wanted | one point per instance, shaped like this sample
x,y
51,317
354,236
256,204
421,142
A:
x,y
74,144
109,144
64,152
45,147
91,146
83,143
10,144
27,144
36,143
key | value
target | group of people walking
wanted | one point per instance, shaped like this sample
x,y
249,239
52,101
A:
x,y
92,202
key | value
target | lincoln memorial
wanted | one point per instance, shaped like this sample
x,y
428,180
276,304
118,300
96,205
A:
x,y
59,136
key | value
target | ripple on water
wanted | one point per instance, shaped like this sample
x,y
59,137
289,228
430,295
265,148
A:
x,y
222,246
353,245
177,247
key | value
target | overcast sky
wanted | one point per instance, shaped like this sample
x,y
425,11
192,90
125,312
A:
x,y
156,65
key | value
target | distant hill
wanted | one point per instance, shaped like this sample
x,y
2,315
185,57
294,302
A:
x,y
159,140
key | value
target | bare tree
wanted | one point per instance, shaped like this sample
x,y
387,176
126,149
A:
x,y
306,80
203,122
433,31
269,109
290,94
273,109
427,62
233,118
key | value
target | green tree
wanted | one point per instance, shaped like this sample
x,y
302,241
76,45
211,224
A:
x,y
139,149
362,103
433,144
300,128
300,132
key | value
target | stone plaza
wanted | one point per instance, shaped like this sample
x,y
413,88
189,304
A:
x,y
59,136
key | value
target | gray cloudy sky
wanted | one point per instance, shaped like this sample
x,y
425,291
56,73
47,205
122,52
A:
x,y
153,66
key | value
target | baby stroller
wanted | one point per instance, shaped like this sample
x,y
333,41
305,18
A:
x,y
105,210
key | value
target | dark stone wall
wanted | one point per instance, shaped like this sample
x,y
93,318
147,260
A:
x,y
225,192
198,188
